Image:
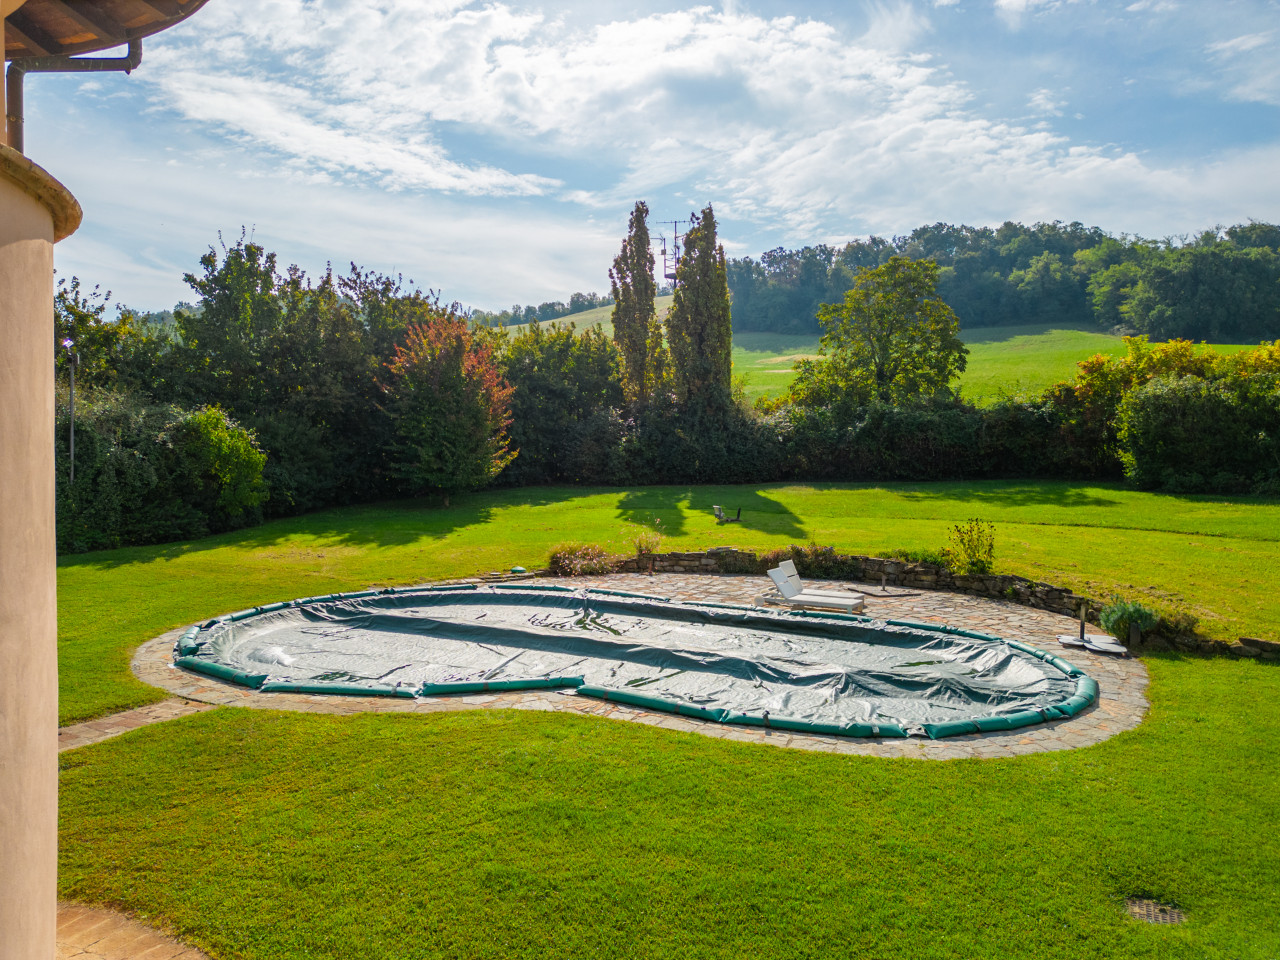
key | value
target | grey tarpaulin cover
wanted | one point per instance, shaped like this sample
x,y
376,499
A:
x,y
814,669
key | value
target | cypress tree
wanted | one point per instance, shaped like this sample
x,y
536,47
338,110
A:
x,y
698,325
636,330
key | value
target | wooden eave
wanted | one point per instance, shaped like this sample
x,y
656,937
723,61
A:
x,y
54,28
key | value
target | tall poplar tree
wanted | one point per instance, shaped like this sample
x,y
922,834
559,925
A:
x,y
699,334
636,330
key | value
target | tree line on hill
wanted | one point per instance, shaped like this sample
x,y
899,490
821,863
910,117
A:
x,y
1222,286
276,393
543,313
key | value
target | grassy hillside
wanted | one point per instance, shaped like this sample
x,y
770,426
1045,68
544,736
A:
x,y
1002,361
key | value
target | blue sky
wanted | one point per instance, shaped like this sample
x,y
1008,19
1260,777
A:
x,y
492,151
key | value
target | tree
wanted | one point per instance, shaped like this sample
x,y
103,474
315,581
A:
x,y
891,341
451,408
699,330
636,330
561,379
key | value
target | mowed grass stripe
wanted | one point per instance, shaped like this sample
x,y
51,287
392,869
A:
x,y
509,834
1089,537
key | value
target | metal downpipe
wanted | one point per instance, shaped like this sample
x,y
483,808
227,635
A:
x,y
18,69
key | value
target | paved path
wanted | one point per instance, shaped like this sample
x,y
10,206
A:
x,y
88,933
1121,706
83,734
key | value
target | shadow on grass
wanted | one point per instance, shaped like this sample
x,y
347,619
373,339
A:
x,y
388,524
669,510
1013,494
974,335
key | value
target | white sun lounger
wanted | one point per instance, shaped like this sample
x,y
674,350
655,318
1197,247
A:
x,y
791,573
793,597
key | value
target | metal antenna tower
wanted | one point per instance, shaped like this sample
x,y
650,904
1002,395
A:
x,y
671,260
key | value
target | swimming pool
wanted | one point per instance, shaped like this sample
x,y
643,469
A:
x,y
822,673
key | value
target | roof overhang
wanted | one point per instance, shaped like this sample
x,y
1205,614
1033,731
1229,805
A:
x,y
60,28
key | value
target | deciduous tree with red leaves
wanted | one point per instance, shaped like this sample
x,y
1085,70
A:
x,y
451,407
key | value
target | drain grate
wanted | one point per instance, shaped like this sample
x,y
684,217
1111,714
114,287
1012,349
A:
x,y
1153,911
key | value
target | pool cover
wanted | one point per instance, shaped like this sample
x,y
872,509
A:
x,y
823,673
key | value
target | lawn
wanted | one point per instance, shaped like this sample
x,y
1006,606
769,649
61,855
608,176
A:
x,y
1202,553
271,836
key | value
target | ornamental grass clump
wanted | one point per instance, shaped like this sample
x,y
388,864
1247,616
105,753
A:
x,y
582,559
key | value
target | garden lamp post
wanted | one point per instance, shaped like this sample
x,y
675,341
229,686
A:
x,y
73,361
36,211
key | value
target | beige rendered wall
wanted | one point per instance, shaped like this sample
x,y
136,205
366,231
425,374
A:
x,y
28,635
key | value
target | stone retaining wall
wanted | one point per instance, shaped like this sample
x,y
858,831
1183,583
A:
x,y
894,573
927,576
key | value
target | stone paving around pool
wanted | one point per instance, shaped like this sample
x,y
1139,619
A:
x,y
1121,705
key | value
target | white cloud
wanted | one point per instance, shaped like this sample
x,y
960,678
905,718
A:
x,y
1042,102
1250,41
1152,6
1250,65
1012,11
501,129
782,120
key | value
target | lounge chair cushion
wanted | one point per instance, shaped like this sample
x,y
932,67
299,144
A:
x,y
789,570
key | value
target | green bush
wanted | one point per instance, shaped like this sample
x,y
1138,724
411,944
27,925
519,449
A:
x,y
1191,435
937,558
1169,624
971,548
561,379
1118,616
147,473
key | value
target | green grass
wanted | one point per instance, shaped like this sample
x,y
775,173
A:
x,y
268,835
1207,554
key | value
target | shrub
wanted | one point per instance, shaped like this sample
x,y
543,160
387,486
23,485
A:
x,y
561,379
1173,623
219,464
936,557
1118,616
821,563
646,539
148,473
1168,623
582,559
451,408
972,547
1191,435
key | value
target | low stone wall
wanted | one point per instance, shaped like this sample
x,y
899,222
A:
x,y
927,576
893,573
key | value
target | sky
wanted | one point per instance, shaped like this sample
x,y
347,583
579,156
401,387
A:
x,y
493,151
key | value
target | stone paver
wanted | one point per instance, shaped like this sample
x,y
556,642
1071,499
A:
x,y
90,933
1121,705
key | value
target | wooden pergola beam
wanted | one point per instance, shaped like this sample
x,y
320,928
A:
x,y
166,8
92,18
31,36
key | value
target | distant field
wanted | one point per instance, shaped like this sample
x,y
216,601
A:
x,y
1003,361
